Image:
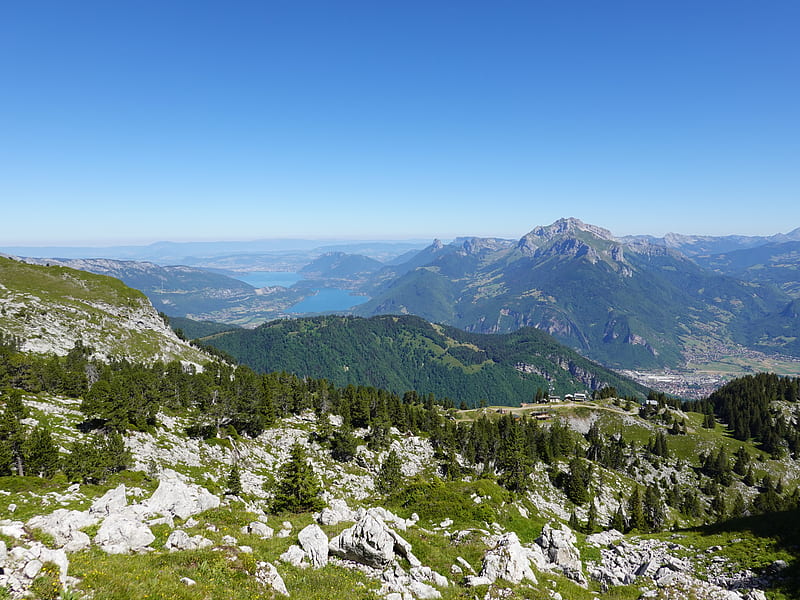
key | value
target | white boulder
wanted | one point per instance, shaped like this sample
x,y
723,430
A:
x,y
314,543
120,534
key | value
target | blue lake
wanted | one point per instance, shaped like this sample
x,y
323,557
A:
x,y
326,300
261,279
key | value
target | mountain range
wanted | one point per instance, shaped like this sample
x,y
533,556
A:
x,y
621,302
634,302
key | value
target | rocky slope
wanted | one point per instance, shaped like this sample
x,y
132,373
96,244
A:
x,y
51,308
170,509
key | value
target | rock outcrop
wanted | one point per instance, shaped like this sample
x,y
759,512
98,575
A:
x,y
558,546
508,560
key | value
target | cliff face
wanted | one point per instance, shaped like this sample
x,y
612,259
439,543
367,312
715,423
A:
x,y
50,308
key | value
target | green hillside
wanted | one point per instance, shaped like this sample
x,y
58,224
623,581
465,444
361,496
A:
x,y
402,353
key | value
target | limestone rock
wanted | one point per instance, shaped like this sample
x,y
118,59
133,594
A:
x,y
260,529
120,534
180,499
336,512
180,540
368,542
13,529
604,539
426,574
508,560
112,501
294,556
267,574
314,543
559,548
64,526
32,568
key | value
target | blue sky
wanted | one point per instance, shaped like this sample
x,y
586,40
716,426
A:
x,y
133,122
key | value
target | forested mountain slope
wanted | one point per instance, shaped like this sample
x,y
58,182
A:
x,y
402,353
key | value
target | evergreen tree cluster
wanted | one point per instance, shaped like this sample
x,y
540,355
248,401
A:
x,y
745,405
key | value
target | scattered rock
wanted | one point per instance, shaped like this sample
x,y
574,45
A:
x,y
110,502
180,540
336,512
559,548
64,526
267,574
180,499
369,542
295,556
260,529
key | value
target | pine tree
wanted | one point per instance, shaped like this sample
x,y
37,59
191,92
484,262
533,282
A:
x,y
577,484
635,511
41,453
12,434
298,488
618,519
390,476
591,520
234,482
749,478
653,508
343,444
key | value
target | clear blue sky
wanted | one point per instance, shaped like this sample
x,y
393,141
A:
x,y
132,122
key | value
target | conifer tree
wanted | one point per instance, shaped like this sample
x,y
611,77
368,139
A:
x,y
41,453
390,476
591,520
653,508
234,482
343,444
298,488
577,483
618,520
12,434
635,511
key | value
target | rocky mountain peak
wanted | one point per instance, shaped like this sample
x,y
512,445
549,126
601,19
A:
x,y
560,230
567,226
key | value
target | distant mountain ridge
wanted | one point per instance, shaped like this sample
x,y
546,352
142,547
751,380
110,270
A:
x,y
189,291
692,245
